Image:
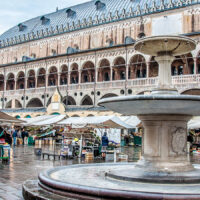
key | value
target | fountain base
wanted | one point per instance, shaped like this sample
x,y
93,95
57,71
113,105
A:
x,y
70,181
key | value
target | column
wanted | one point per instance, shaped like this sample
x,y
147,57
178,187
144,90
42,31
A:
x,y
111,74
68,78
147,73
15,85
79,77
58,79
96,75
36,81
195,66
127,69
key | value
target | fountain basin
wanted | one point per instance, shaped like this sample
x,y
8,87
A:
x,y
171,44
70,181
154,104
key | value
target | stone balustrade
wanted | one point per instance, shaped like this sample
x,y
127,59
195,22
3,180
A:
x,y
181,82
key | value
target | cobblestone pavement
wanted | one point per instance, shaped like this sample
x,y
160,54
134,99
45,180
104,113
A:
x,y
24,165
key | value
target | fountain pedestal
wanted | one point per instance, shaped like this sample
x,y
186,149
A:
x,y
164,143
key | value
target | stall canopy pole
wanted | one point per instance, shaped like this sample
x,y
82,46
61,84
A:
x,y
81,146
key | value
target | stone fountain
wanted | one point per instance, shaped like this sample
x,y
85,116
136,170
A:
x,y
164,172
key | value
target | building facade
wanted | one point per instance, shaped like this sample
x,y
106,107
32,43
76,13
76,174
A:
x,y
87,52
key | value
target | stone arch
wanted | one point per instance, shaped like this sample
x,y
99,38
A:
x,y
1,82
193,91
137,67
53,76
69,101
17,117
27,116
34,103
31,79
88,72
64,75
109,95
41,77
74,76
119,69
90,115
10,83
153,67
104,70
86,101
20,80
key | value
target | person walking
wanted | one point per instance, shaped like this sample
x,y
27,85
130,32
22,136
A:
x,y
15,137
23,135
104,143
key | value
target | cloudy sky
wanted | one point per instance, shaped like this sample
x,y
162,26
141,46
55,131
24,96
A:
x,y
12,12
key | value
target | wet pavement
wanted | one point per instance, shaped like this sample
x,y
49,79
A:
x,y
24,165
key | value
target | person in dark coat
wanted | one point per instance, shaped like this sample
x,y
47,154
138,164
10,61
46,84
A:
x,y
105,140
23,135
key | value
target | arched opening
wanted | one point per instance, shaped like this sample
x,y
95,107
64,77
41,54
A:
x,y
90,115
109,95
74,74
69,101
41,78
137,67
17,117
9,104
75,116
183,65
34,103
198,63
88,72
194,91
53,76
55,113
104,71
31,79
10,84
1,82
86,101
21,80
119,69
27,116
18,104
153,67
64,75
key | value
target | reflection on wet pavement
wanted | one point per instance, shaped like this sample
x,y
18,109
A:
x,y
24,165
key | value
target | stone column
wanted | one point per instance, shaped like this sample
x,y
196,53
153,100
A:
x,y
165,142
164,76
147,71
36,81
111,74
15,85
58,79
96,74
195,66
79,77
68,78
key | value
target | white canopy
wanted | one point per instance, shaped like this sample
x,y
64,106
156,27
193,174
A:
x,y
96,122
194,123
44,120
131,120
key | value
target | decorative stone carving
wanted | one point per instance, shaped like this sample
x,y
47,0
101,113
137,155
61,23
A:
x,y
178,140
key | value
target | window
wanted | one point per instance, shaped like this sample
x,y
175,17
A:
x,y
99,5
70,13
44,20
21,27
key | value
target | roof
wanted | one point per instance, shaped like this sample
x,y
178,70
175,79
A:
x,y
84,15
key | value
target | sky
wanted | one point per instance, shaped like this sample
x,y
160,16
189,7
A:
x,y
13,12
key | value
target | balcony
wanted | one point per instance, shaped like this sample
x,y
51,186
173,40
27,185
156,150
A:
x,y
180,82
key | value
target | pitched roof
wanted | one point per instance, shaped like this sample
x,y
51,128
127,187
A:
x,y
84,15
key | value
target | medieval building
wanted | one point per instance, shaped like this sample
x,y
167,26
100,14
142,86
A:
x,y
87,53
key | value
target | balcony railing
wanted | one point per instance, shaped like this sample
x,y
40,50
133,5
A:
x,y
183,81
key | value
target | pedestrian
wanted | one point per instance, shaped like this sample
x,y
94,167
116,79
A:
x,y
23,134
104,143
15,137
26,137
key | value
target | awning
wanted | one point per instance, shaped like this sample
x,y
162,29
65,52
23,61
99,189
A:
x,y
95,122
49,133
44,120
194,123
6,119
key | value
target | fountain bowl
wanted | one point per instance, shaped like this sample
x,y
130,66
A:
x,y
154,104
155,45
